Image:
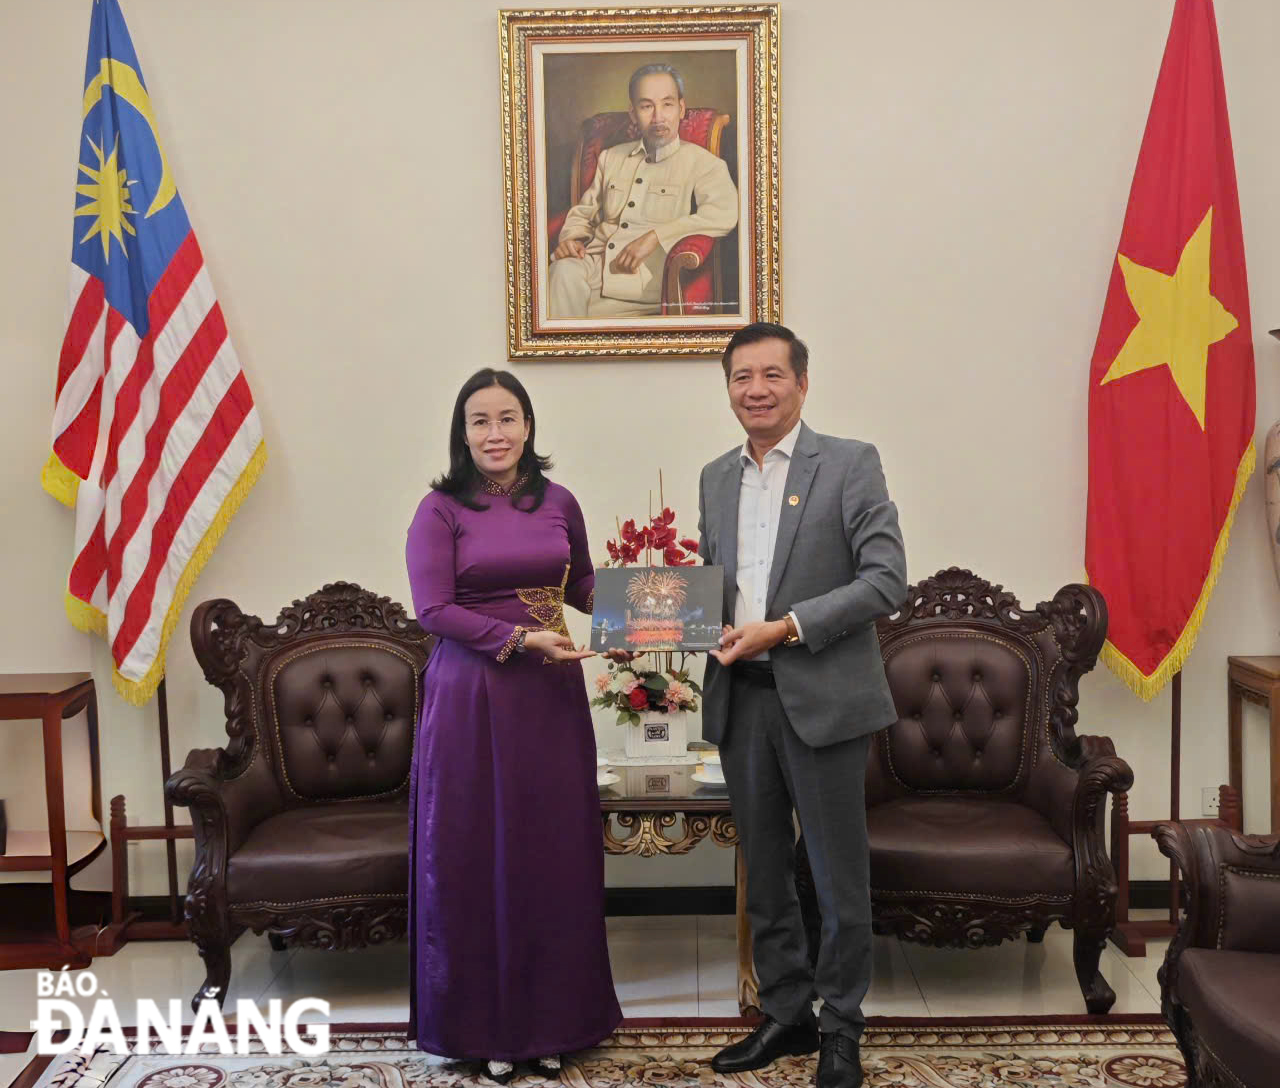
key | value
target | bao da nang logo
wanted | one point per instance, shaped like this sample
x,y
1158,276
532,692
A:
x,y
57,1011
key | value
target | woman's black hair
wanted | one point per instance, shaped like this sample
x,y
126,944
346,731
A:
x,y
463,480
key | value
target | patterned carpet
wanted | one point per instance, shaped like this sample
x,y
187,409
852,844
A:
x,y
1119,1052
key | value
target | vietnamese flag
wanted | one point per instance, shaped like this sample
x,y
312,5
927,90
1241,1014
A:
x,y
1171,397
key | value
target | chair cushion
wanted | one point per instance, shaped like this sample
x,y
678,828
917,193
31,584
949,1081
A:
x,y
965,705
964,845
342,713
323,852
1233,999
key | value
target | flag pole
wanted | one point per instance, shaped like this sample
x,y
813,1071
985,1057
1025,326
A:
x,y
1175,786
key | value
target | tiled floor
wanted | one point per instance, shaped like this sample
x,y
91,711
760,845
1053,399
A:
x,y
668,966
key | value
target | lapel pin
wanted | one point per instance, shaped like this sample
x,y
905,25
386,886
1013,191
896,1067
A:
x,y
793,500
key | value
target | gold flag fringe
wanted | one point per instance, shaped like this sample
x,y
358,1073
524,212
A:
x,y
59,480
87,618
1147,686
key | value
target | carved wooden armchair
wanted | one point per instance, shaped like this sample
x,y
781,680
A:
x,y
984,809
301,821
1220,983
692,280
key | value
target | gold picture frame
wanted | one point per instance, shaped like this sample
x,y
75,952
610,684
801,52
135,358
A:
x,y
575,151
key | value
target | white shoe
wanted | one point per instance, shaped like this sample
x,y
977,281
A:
x,y
550,1064
499,1072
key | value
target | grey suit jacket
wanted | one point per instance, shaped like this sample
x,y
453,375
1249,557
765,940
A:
x,y
838,564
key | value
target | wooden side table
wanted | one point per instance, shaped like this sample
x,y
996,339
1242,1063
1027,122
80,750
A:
x,y
646,804
1256,679
49,699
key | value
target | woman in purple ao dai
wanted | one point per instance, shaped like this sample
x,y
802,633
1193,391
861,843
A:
x,y
506,871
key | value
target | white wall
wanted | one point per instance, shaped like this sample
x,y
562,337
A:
x,y
954,180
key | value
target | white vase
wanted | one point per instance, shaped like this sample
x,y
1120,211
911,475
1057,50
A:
x,y
1271,462
658,734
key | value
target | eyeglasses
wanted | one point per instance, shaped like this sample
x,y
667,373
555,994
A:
x,y
506,425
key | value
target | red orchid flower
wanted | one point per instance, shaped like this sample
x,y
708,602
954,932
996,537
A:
x,y
675,557
661,536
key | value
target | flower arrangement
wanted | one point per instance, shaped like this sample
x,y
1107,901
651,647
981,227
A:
x,y
667,689
632,691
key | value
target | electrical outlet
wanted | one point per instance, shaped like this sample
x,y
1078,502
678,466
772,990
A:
x,y
1209,800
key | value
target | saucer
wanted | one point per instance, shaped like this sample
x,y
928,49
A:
x,y
700,776
608,779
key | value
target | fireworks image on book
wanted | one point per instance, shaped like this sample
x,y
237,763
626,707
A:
x,y
656,597
657,608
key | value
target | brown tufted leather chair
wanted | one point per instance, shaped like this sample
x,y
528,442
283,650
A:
x,y
1220,983
984,809
301,822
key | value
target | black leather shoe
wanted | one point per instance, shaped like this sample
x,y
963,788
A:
x,y
839,1065
766,1044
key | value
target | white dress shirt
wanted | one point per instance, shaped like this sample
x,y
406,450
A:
x,y
759,511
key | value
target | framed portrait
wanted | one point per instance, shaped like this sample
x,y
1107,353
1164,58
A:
x,y
640,153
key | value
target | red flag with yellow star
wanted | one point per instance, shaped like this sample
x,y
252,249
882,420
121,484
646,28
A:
x,y
1171,397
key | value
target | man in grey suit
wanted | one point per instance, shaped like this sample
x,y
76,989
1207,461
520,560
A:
x,y
809,541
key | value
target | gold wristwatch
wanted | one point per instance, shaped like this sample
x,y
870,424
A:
x,y
793,636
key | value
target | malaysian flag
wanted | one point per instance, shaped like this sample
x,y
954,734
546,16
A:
x,y
155,437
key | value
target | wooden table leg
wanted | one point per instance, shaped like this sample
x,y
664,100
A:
x,y
748,989
95,756
1235,735
1275,759
52,739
